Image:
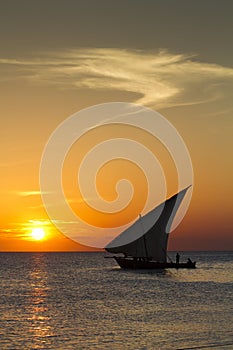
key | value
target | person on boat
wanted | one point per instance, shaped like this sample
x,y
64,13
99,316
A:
x,y
189,261
177,258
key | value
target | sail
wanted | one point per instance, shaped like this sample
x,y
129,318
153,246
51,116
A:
x,y
148,236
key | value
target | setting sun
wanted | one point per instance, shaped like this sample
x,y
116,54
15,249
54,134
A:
x,y
38,233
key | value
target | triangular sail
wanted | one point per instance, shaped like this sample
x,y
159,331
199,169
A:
x,y
148,236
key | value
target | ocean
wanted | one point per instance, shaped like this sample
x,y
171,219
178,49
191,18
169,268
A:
x,y
83,301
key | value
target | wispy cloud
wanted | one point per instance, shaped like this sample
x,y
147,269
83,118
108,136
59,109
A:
x,y
160,79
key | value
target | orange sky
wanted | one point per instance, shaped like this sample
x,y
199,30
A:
x,y
46,75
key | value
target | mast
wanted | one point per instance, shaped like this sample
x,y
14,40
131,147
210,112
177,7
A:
x,y
144,237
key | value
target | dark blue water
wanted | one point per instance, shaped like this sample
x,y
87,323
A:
x,y
83,301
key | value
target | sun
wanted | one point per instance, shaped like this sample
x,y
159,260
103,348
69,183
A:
x,y
38,233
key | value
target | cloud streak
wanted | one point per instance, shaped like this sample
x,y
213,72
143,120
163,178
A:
x,y
160,79
28,193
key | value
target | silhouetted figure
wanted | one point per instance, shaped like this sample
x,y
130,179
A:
x,y
189,261
177,258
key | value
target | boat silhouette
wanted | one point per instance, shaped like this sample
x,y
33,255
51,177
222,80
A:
x,y
143,245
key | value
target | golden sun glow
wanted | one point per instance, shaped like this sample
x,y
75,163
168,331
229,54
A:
x,y
38,233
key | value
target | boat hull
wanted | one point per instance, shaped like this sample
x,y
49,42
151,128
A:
x,y
143,264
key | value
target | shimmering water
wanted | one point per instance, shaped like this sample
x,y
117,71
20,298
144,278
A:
x,y
83,301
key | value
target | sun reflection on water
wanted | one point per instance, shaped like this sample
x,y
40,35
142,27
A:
x,y
39,318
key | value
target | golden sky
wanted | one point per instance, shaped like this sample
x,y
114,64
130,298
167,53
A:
x,y
59,57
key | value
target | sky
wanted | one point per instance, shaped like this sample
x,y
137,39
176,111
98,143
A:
x,y
58,57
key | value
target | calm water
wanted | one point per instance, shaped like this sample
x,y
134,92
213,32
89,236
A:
x,y
83,301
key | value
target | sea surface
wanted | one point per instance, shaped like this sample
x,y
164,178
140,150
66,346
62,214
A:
x,y
83,301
